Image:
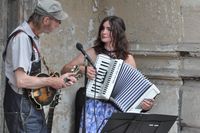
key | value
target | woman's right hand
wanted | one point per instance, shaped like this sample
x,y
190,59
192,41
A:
x,y
91,72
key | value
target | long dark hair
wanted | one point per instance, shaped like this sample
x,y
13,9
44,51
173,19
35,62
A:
x,y
119,39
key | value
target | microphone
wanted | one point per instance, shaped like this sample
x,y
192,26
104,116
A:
x,y
80,48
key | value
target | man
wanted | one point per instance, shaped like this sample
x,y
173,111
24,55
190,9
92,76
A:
x,y
22,64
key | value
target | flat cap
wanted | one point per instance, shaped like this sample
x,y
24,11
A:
x,y
52,8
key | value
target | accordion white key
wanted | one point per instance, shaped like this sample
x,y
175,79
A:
x,y
118,82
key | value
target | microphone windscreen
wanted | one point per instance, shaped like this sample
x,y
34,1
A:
x,y
79,46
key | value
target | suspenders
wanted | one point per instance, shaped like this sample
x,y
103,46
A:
x,y
13,35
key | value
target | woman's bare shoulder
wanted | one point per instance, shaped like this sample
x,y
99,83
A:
x,y
90,50
130,60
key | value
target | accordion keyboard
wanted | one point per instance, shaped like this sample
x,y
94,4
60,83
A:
x,y
106,68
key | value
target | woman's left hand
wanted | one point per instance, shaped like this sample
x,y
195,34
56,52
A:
x,y
147,104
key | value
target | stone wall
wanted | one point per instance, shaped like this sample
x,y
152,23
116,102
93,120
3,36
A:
x,y
3,35
164,37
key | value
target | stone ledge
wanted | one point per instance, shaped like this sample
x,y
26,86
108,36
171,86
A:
x,y
165,48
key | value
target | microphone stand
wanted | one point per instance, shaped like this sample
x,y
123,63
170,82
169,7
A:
x,y
85,83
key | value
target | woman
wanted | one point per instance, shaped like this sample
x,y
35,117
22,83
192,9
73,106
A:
x,y
112,41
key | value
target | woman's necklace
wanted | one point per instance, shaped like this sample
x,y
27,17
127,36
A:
x,y
110,49
111,53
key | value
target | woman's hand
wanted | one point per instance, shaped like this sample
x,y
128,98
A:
x,y
147,104
91,72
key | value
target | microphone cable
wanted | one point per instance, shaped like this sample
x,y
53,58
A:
x,y
95,89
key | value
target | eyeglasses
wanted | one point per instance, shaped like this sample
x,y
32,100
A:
x,y
56,20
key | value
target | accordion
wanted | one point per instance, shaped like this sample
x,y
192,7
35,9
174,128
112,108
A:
x,y
121,84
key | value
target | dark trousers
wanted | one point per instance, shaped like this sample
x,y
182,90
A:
x,y
20,114
79,104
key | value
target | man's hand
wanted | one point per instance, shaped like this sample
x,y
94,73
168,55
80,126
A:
x,y
69,79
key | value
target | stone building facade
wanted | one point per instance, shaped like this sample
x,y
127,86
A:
x,y
164,37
